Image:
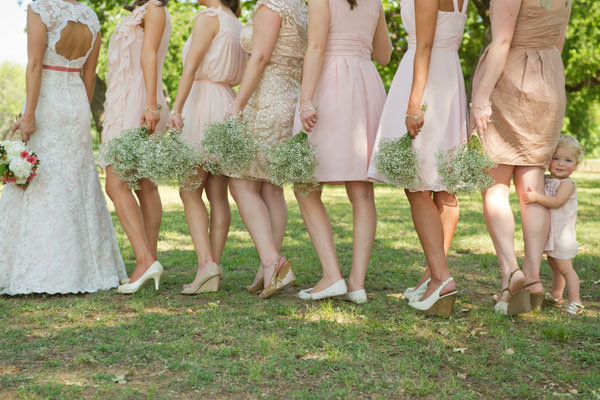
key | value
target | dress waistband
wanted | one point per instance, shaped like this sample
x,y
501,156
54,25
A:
x,y
61,69
348,46
441,43
211,81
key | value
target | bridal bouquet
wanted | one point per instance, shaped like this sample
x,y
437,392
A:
x,y
398,162
17,165
294,161
465,168
162,158
228,147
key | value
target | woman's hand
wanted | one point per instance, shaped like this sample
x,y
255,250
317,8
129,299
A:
x,y
414,121
150,118
175,121
233,113
480,118
26,125
309,117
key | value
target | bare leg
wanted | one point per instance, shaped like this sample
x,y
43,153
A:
x,y
558,280
535,219
151,207
274,199
319,229
196,217
570,276
428,224
365,223
132,220
447,204
220,213
255,214
500,223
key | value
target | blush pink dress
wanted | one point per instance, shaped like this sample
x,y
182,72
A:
x,y
126,92
562,240
221,69
446,116
349,94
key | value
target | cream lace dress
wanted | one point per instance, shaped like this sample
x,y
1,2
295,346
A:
x,y
58,237
270,111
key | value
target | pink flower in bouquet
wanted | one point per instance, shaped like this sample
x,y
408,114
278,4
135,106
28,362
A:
x,y
32,159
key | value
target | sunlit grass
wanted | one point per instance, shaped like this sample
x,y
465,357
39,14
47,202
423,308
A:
x,y
230,344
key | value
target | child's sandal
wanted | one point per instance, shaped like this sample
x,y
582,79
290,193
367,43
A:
x,y
574,308
558,302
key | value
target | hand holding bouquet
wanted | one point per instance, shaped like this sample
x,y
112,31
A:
x,y
17,165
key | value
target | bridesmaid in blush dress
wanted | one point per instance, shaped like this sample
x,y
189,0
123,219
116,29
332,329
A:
x,y
518,108
213,62
341,101
136,54
430,73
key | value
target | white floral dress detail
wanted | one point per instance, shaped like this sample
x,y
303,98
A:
x,y
58,237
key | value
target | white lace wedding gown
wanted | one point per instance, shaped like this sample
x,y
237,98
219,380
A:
x,y
58,237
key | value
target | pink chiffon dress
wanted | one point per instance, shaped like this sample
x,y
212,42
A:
x,y
349,94
221,69
126,92
446,118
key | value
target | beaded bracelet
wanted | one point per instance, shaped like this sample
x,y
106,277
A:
x,y
312,107
155,112
414,116
481,107
175,113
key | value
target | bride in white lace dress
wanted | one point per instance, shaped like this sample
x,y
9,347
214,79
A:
x,y
58,237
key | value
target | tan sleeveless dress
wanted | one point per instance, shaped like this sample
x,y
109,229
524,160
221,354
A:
x,y
528,102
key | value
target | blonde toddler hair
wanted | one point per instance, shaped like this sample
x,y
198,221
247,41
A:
x,y
573,144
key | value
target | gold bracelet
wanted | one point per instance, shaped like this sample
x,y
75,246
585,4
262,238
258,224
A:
x,y
237,111
155,112
481,107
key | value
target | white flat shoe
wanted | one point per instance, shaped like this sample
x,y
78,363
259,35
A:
x,y
415,293
153,272
436,304
356,296
337,289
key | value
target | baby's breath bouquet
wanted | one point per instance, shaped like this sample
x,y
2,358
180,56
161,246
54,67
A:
x,y
173,161
294,161
162,158
228,147
398,162
465,168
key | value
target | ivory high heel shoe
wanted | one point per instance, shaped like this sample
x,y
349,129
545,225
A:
x,y
282,277
153,272
415,293
436,304
337,289
208,281
518,303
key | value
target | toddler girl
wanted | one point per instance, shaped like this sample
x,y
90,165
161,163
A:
x,y
561,199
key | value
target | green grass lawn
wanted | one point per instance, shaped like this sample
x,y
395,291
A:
x,y
231,345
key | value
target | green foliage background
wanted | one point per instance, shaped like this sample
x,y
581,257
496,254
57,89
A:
x,y
581,54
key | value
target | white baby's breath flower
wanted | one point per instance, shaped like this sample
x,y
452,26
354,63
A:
x,y
398,162
21,168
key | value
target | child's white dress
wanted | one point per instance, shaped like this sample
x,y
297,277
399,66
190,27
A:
x,y
562,241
